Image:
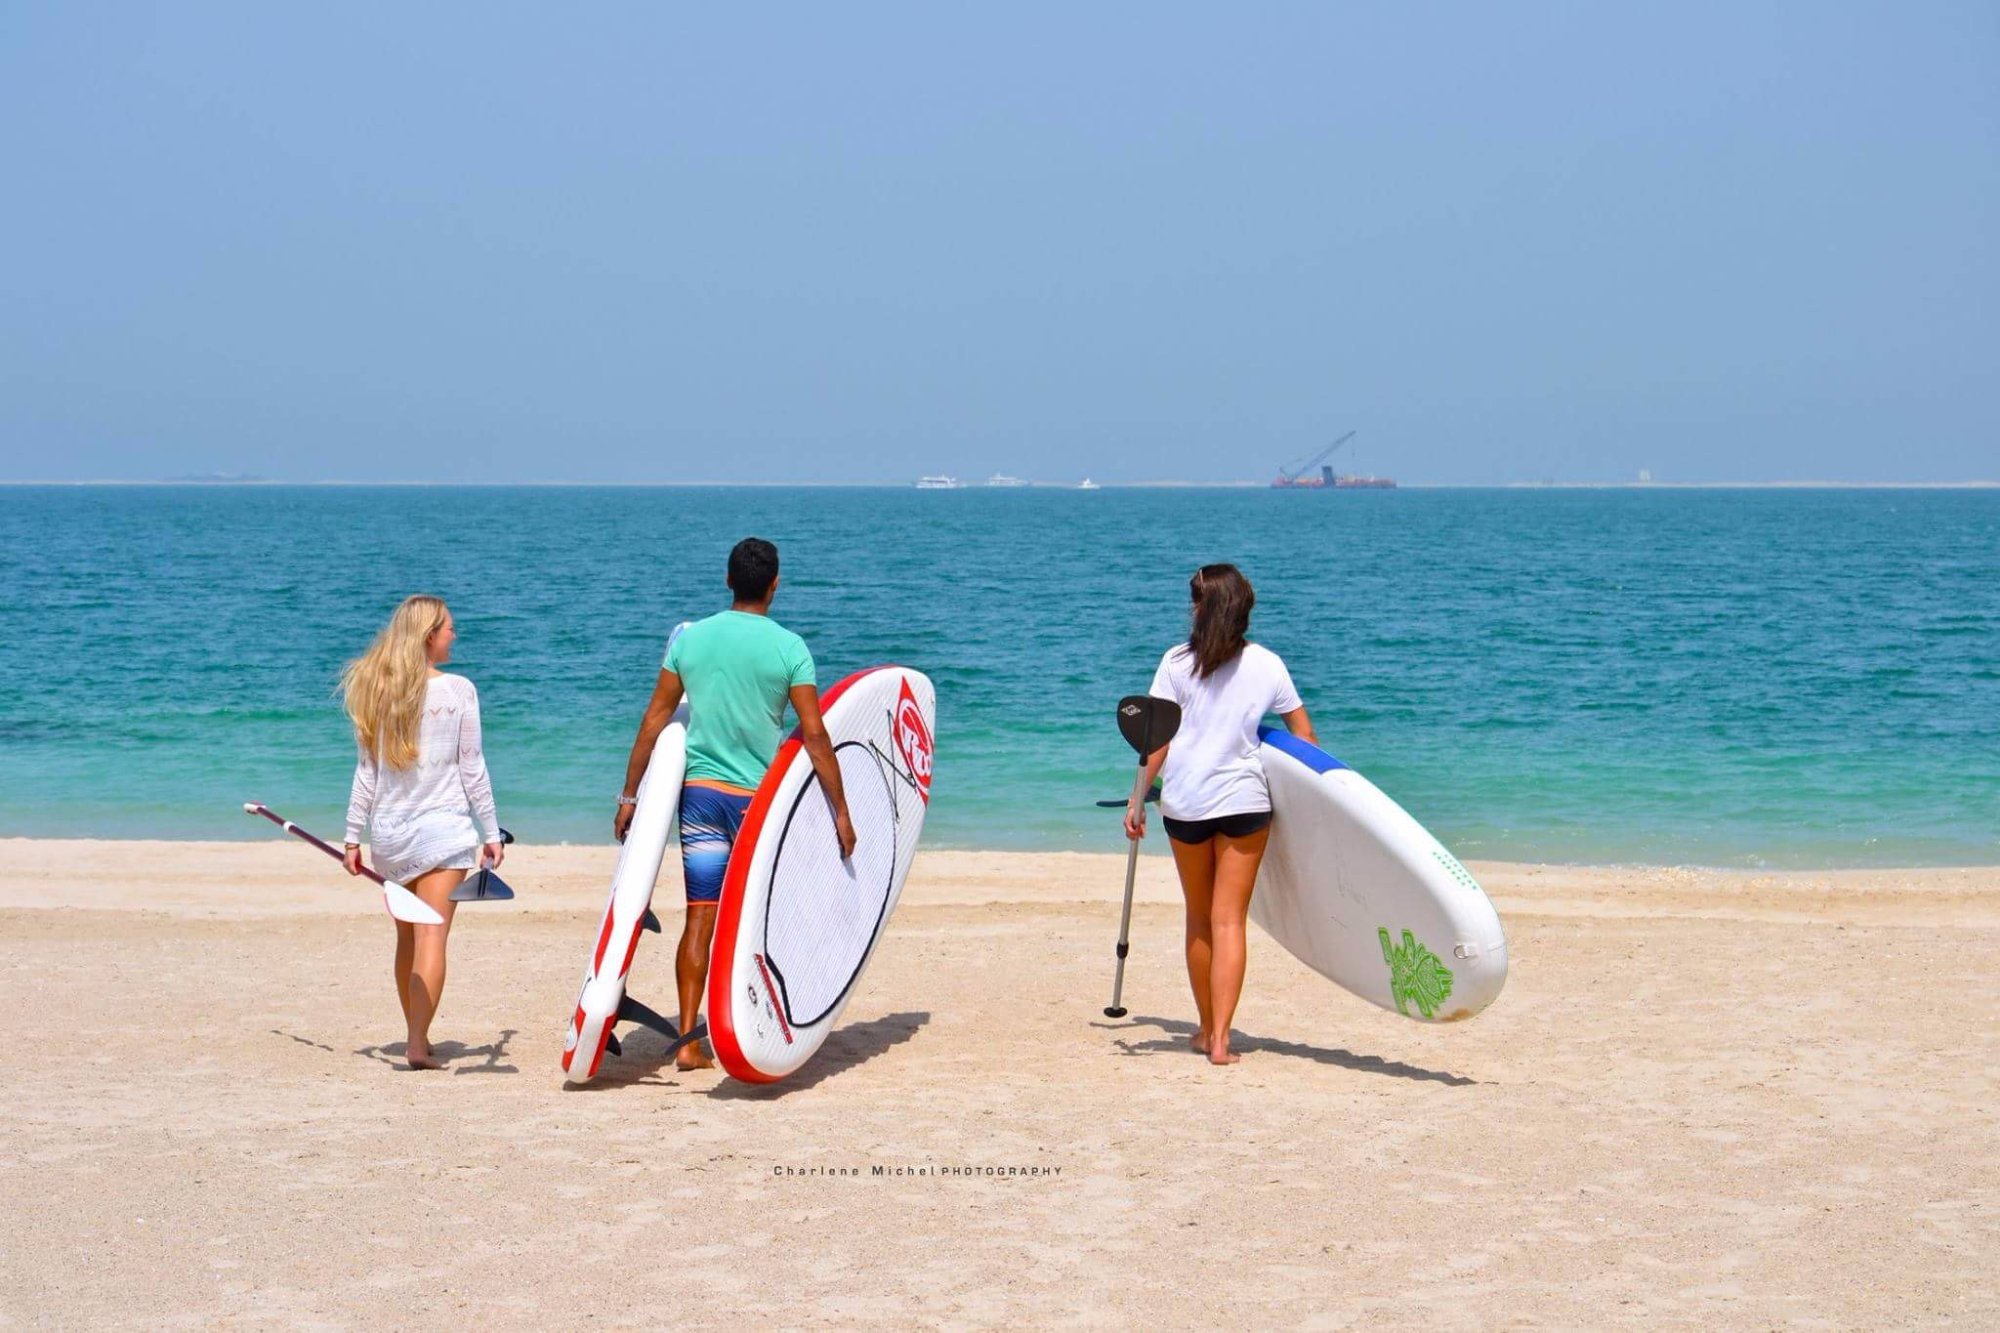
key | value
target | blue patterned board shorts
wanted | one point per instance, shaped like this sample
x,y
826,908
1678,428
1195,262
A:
x,y
710,819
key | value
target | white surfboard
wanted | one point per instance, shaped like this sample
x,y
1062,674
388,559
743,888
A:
x,y
797,924
602,1001
1362,893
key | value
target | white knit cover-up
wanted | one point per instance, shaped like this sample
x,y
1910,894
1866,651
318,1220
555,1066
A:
x,y
420,818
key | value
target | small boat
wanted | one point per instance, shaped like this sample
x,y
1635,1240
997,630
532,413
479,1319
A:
x,y
1087,485
998,480
939,483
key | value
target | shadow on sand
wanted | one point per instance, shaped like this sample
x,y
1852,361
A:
x,y
1179,1030
855,1044
648,1060
303,1041
449,1054
645,1057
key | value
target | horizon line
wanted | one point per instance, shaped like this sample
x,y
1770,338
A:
x,y
1151,484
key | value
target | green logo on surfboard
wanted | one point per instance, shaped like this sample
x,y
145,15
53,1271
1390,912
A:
x,y
1415,975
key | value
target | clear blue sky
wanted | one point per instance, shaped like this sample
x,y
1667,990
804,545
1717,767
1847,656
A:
x,y
478,242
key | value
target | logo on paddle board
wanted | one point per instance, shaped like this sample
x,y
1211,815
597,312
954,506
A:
x,y
1416,975
913,741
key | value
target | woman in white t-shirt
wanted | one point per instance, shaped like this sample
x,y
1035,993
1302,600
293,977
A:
x,y
1214,801
419,780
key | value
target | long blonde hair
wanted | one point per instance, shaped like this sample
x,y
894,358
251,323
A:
x,y
384,687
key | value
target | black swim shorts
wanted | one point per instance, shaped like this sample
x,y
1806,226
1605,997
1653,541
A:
x,y
1197,831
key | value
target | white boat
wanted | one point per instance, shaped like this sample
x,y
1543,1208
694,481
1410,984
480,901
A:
x,y
1087,485
998,480
937,483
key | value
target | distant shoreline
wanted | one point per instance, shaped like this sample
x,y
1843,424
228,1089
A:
x,y
271,483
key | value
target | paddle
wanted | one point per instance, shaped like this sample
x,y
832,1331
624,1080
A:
x,y
1146,724
402,904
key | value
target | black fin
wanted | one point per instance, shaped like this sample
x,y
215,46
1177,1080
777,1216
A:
x,y
611,1044
650,922
482,886
631,1011
1152,797
699,1033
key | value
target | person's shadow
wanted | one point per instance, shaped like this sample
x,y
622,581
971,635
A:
x,y
644,1056
855,1044
450,1054
1179,1030
647,1058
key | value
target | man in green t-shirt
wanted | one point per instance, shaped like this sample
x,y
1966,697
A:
x,y
738,670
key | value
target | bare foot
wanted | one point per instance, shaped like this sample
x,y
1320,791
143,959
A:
x,y
420,1057
1219,1053
691,1057
1200,1041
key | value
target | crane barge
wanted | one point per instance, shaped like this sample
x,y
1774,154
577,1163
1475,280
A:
x,y
1298,476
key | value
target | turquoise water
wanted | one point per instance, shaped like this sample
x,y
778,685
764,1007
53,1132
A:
x,y
1750,678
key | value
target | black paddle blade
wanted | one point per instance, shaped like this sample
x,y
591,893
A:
x,y
1147,723
483,887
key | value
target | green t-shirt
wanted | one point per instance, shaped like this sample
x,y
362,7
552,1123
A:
x,y
738,668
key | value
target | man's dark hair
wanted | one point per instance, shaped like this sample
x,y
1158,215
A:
x,y
753,568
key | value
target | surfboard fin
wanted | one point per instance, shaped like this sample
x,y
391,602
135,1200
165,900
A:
x,y
611,1044
483,886
1152,797
632,1011
650,921
700,1031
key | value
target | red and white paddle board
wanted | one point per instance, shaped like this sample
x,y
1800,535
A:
x,y
797,924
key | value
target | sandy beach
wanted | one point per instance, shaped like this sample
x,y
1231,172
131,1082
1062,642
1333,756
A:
x,y
1705,1098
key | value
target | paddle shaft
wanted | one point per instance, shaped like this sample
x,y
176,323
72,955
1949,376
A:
x,y
1115,1009
297,832
402,904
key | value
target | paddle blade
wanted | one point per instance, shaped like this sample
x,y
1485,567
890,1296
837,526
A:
x,y
406,906
1147,723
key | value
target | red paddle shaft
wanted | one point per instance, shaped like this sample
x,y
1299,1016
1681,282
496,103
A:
x,y
252,808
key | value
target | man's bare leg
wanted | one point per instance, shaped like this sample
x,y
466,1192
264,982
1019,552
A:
x,y
691,971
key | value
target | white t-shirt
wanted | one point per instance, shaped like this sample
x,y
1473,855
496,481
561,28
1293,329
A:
x,y
1212,767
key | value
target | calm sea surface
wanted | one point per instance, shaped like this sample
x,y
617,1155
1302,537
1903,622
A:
x,y
1746,678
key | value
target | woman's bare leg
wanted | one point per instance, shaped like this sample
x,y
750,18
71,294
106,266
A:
x,y
1236,862
406,953
427,961
1196,863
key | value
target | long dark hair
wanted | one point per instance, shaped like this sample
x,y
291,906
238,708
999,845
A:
x,y
1222,600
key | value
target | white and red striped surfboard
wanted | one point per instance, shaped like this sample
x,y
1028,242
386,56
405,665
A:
x,y
797,924
602,1001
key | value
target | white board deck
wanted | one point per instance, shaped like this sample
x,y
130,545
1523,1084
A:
x,y
1361,893
797,924
639,860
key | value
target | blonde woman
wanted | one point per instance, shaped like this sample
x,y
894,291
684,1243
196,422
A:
x,y
418,784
